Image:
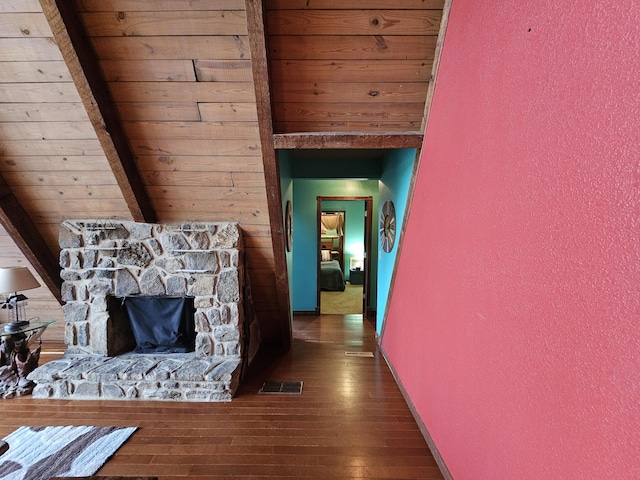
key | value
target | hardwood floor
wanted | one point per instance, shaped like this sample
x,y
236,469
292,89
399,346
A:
x,y
350,421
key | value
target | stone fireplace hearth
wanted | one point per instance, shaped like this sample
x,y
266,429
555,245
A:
x,y
106,262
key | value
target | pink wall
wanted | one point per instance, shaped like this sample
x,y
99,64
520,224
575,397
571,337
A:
x,y
514,324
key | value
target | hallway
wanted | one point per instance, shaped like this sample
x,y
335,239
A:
x,y
350,421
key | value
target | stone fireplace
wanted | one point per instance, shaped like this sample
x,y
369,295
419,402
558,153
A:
x,y
106,263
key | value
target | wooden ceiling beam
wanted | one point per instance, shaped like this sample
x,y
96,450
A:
x,y
260,70
340,140
26,236
83,66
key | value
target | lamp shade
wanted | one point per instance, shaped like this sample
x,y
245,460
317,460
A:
x,y
14,279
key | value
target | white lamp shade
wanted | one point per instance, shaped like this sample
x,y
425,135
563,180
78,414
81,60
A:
x,y
14,279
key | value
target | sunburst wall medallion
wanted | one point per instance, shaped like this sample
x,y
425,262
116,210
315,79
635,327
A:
x,y
388,226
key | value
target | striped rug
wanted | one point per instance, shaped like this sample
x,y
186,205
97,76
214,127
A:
x,y
37,453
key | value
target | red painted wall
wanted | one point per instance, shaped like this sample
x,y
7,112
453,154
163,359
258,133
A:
x,y
514,324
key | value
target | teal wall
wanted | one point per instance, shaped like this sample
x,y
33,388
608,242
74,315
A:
x,y
286,190
305,240
394,186
354,227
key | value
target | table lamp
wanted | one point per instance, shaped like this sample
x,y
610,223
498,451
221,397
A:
x,y
13,279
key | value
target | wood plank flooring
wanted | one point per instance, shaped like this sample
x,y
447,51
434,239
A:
x,y
349,422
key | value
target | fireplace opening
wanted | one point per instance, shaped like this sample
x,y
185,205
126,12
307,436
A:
x,y
152,324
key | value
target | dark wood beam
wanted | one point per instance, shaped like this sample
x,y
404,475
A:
x,y
258,45
26,236
83,66
340,140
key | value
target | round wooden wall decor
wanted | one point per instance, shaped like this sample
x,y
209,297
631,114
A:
x,y
388,226
288,226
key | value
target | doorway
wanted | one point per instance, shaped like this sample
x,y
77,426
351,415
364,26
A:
x,y
344,226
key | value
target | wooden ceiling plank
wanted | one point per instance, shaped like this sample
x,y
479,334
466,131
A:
x,y
83,66
350,71
369,4
157,5
38,49
53,163
42,112
19,25
341,126
204,130
365,92
161,146
351,47
19,6
347,140
353,22
240,92
226,47
40,71
193,163
258,46
185,22
26,236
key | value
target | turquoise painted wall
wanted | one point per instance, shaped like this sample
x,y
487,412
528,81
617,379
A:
x,y
305,242
394,186
354,227
286,190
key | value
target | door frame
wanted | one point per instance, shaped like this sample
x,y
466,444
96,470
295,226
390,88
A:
x,y
368,225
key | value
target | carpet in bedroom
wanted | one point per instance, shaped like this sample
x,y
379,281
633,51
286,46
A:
x,y
342,303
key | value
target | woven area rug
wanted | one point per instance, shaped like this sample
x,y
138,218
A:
x,y
37,453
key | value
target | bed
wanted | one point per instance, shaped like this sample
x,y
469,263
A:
x,y
331,276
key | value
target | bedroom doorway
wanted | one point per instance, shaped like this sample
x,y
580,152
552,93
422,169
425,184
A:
x,y
344,234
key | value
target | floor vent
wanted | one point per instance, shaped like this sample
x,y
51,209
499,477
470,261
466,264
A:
x,y
281,387
359,354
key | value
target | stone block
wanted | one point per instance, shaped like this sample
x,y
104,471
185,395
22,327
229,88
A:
x,y
87,390
75,262
231,349
193,370
151,282
83,335
200,240
138,369
201,262
140,231
156,394
227,236
137,254
112,391
126,284
89,258
224,372
68,292
100,287
98,334
75,312
42,391
68,238
202,286
176,286
228,287
65,259
204,345
201,322
226,334
173,243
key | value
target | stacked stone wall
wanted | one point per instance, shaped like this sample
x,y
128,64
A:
x,y
103,259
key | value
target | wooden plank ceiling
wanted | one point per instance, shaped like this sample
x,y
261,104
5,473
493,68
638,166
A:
x,y
148,110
